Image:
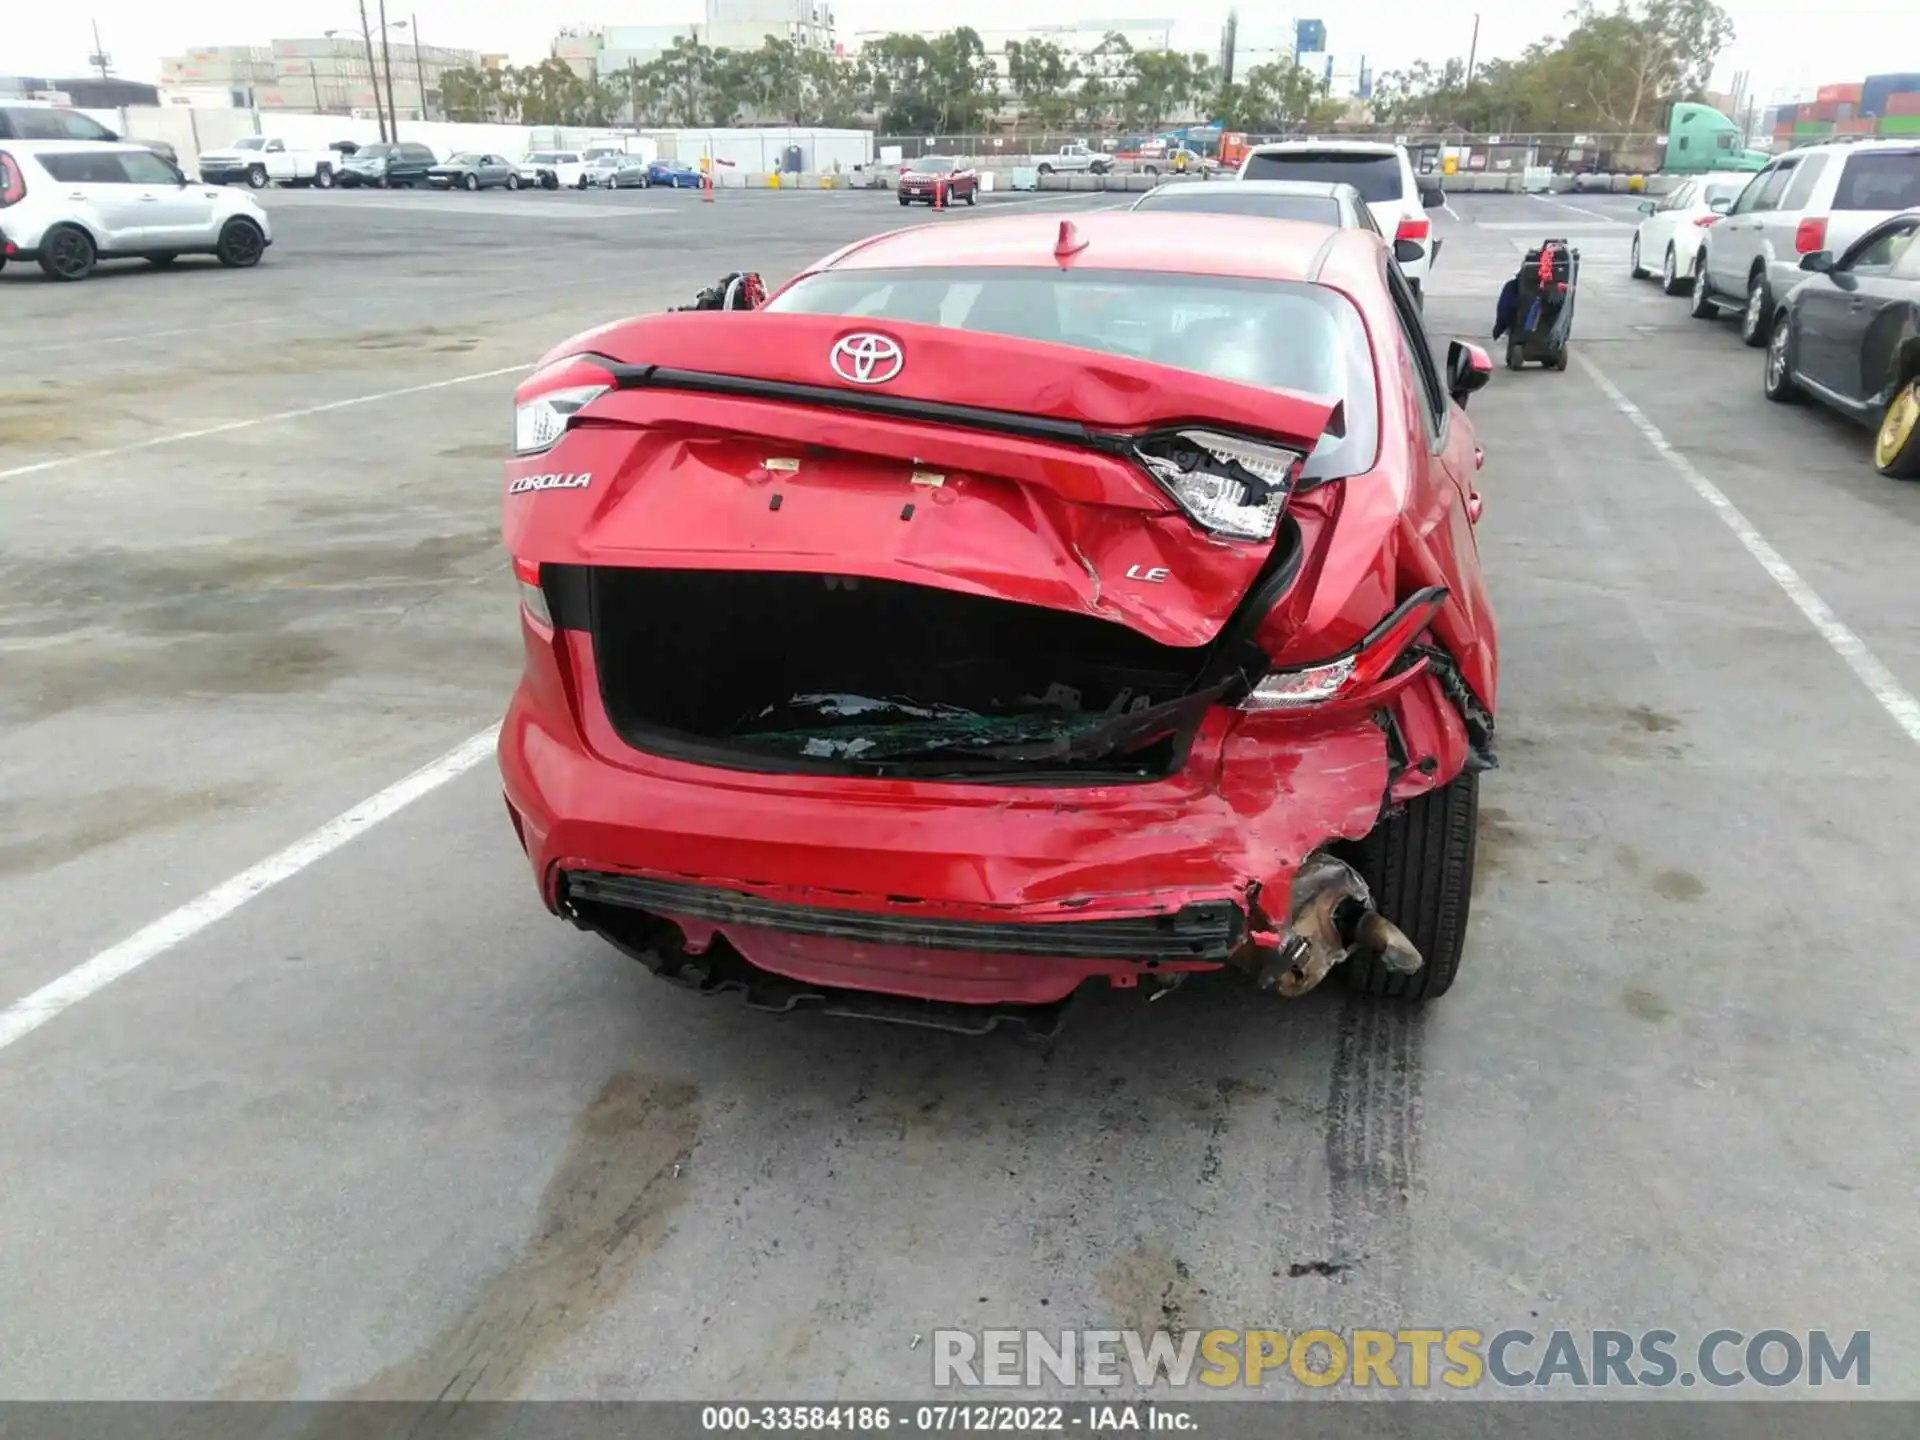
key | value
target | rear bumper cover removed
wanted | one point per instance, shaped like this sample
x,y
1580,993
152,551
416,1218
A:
x,y
962,894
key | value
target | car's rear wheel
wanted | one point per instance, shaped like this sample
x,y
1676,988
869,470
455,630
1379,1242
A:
x,y
1777,380
67,253
323,177
1896,446
1703,307
1634,267
1756,319
1419,866
241,244
1671,280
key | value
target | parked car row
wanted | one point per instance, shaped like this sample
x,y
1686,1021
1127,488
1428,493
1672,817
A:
x,y
1816,254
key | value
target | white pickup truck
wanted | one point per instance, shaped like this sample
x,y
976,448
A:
x,y
258,159
1072,159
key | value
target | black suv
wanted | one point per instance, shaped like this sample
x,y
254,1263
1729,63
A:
x,y
52,122
388,166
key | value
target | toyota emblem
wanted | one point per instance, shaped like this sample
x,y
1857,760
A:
x,y
866,358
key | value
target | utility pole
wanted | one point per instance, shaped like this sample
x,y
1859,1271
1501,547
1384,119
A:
x,y
99,59
366,32
1227,42
1473,47
419,66
386,64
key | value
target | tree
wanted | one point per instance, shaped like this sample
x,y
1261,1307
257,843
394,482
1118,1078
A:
x,y
1038,71
1158,86
1637,57
1103,79
475,96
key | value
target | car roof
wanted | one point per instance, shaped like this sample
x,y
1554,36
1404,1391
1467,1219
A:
x,y
1254,248
1319,189
55,147
1356,147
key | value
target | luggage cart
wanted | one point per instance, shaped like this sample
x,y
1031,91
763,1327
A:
x,y
1542,321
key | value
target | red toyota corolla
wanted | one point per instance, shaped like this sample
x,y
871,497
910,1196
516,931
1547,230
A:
x,y
1006,607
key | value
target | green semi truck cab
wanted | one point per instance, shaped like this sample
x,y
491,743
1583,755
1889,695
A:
x,y
1700,139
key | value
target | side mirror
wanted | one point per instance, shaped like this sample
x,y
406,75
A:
x,y
1432,197
1645,207
1407,251
1721,206
1468,369
1818,263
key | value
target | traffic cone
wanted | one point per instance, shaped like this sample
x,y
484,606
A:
x,y
939,194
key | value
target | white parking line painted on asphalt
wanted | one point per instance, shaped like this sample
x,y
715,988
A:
x,y
60,461
90,977
1881,683
1450,211
1582,210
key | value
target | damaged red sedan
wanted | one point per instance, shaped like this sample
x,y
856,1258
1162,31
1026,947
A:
x,y
1005,608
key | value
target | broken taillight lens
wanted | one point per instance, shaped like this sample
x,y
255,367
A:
x,y
1226,484
1356,671
547,401
532,597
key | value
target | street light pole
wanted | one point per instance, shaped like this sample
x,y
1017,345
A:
x,y
366,32
386,64
1473,47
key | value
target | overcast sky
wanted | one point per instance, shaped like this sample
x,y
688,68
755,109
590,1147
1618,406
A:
x,y
1782,45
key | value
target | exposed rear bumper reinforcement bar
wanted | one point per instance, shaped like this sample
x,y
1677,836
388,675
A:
x,y
1211,931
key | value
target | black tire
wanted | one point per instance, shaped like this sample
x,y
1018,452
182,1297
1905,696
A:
x,y
241,244
904,202
1671,280
1634,267
323,178
472,182
3,262
162,261
68,253
257,176
1892,457
1044,169
1776,377
1560,358
1419,296
1516,357
1419,866
549,181
513,179
1756,316
973,194
1702,306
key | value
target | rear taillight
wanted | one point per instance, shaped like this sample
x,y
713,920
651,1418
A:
x,y
547,401
13,184
1359,669
1810,235
532,597
1411,229
1226,484
1703,221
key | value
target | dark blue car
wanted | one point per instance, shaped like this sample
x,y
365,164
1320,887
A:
x,y
674,174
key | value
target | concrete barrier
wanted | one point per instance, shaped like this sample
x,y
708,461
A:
x,y
1086,182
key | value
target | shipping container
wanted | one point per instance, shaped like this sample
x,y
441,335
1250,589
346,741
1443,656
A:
x,y
1907,102
1902,125
1834,94
1813,127
1866,125
1874,94
1824,110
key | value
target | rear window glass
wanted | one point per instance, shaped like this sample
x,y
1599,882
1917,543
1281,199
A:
x,y
1280,334
1376,177
1888,181
82,167
1227,200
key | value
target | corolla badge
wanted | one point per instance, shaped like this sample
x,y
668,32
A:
x,y
866,358
528,483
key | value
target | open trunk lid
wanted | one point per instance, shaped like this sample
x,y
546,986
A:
x,y
971,462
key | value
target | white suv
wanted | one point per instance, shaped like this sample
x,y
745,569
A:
x,y
1383,174
69,205
1821,198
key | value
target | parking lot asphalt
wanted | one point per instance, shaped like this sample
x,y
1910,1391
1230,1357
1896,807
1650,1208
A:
x,y
388,1129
